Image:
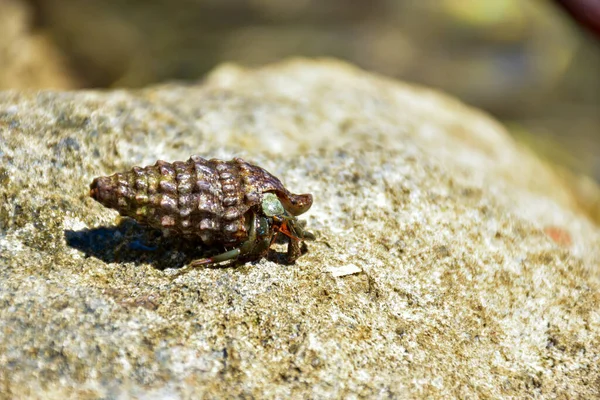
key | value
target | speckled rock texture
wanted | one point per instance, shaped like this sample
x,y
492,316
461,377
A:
x,y
449,262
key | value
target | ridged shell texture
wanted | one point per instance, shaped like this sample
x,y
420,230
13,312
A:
x,y
201,198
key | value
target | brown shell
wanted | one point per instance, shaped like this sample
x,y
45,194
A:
x,y
198,198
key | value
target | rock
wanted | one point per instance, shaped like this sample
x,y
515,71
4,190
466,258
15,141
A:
x,y
28,59
476,275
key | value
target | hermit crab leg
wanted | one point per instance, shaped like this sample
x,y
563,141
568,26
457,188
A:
x,y
246,247
228,255
295,231
290,227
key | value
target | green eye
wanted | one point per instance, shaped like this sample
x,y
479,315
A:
x,y
271,205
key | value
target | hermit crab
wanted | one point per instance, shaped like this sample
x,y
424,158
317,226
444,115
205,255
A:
x,y
232,205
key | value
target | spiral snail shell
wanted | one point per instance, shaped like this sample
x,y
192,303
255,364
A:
x,y
233,204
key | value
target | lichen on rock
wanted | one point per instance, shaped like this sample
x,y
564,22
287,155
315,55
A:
x,y
460,286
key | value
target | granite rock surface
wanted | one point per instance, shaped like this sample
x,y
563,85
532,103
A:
x,y
449,261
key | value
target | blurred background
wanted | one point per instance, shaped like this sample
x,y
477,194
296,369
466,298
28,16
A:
x,y
533,64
